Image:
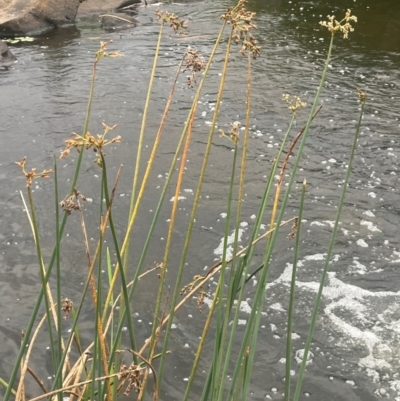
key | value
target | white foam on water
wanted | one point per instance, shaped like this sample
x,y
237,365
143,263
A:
x,y
330,223
358,267
245,307
317,256
370,226
179,198
229,251
362,243
369,213
299,355
366,318
317,223
277,306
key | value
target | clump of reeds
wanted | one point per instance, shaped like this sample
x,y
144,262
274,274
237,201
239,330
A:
x,y
99,371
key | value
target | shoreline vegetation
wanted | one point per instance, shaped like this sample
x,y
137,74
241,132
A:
x,y
108,367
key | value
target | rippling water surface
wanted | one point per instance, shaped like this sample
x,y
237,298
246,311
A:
x,y
43,98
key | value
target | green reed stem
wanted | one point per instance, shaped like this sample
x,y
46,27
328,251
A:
x,y
243,163
243,276
223,318
38,302
170,174
235,274
196,197
261,288
42,276
292,294
168,245
76,314
58,275
143,187
125,301
140,145
328,257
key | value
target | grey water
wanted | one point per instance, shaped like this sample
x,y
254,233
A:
x,y
43,99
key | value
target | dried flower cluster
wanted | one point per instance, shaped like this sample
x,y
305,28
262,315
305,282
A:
x,y
89,141
362,96
233,133
241,21
201,294
66,307
133,376
294,104
293,233
194,63
32,175
71,202
102,53
343,25
174,22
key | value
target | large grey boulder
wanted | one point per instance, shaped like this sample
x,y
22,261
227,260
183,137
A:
x,y
6,57
35,17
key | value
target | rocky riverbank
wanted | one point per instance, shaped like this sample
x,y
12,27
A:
x,y
37,17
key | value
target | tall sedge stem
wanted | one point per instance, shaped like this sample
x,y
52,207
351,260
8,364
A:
x,y
236,273
53,257
58,265
42,275
292,293
140,145
125,244
260,292
169,241
222,319
196,199
95,292
170,174
328,256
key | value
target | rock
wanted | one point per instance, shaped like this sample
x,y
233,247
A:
x,y
35,17
117,22
101,6
128,4
6,57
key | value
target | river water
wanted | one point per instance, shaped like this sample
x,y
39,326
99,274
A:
x,y
43,98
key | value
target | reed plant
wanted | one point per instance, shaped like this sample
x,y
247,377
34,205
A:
x,y
100,370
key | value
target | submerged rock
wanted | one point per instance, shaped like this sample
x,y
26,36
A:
x,y
35,17
6,57
117,22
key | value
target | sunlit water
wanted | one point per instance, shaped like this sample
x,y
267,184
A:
x,y
43,98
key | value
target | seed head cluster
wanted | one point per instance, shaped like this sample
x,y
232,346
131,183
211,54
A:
x,y
174,22
242,24
32,175
294,104
89,141
343,25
